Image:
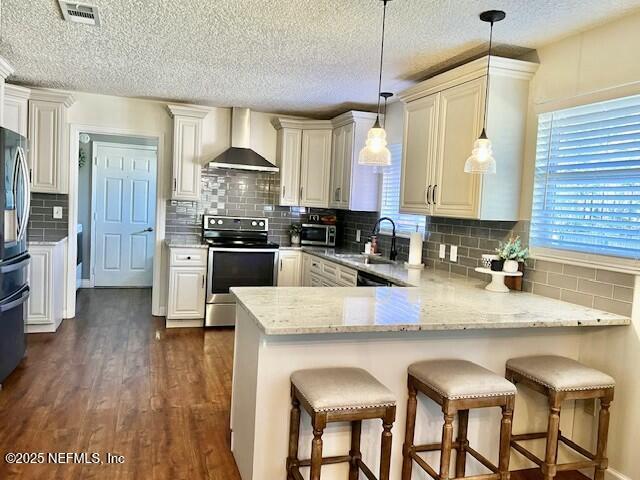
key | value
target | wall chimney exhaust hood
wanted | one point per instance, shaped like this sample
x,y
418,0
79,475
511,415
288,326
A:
x,y
240,156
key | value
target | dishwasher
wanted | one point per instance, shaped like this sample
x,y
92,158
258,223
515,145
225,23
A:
x,y
371,280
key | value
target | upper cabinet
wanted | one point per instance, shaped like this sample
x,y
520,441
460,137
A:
x,y
318,162
442,120
304,158
352,186
187,151
47,129
16,108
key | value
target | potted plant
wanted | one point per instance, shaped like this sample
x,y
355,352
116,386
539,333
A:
x,y
294,232
512,254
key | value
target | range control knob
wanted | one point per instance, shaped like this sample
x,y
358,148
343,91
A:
x,y
219,222
212,221
261,224
254,223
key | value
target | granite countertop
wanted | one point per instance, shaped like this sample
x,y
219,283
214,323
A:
x,y
431,300
185,241
47,241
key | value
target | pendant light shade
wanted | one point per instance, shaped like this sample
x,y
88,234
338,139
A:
x,y
481,159
375,152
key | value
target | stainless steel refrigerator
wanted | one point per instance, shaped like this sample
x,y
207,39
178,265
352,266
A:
x,y
15,202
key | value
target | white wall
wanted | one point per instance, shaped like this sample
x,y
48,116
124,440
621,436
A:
x,y
151,117
586,67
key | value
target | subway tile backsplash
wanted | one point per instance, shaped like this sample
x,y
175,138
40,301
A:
x,y
602,289
235,193
42,225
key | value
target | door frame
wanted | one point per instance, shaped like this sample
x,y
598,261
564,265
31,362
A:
x,y
157,307
92,258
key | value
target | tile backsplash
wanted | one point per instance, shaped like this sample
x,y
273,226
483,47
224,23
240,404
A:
x,y
229,192
42,225
602,289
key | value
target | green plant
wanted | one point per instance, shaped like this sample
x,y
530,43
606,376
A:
x,y
512,250
295,229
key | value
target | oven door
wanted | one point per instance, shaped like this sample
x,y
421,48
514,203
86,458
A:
x,y
239,267
314,235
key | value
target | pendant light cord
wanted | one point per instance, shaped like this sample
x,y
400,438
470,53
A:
x,y
486,91
384,16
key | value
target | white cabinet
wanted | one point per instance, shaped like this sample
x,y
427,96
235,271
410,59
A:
x,y
16,108
352,186
289,269
187,286
443,118
45,306
187,151
306,270
315,168
47,131
304,158
325,273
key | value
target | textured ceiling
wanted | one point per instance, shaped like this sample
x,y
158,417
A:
x,y
301,56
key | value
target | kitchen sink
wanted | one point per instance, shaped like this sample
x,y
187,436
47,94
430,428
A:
x,y
365,259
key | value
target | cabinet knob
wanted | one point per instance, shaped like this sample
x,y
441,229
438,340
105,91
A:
x,y
188,257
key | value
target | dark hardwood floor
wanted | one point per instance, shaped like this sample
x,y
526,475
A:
x,y
113,380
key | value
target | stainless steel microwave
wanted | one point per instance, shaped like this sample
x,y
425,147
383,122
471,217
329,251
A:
x,y
320,235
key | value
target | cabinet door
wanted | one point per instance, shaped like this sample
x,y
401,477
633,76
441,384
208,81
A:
x,y
337,167
289,151
186,158
39,303
306,270
344,193
457,194
46,136
289,269
15,113
315,168
186,293
420,129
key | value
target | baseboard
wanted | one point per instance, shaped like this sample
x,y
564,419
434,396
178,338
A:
x,y
185,323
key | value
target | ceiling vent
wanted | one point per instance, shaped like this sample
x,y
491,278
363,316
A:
x,y
79,12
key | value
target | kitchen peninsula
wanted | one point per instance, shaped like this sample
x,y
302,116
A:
x,y
383,330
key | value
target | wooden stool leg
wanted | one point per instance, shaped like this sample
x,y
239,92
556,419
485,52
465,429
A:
x,y
294,435
549,470
316,453
354,453
385,444
603,436
505,439
407,448
445,452
461,453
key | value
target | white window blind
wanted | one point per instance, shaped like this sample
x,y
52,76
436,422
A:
x,y
587,180
390,201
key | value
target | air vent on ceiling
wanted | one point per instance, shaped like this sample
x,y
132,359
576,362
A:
x,y
79,12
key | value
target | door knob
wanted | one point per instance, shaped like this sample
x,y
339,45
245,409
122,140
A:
x,y
149,229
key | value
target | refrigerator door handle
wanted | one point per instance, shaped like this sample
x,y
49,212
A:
x,y
5,307
22,230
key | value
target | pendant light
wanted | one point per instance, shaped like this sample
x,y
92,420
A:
x,y
375,152
481,159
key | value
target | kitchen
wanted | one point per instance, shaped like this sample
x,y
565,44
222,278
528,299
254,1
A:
x,y
178,381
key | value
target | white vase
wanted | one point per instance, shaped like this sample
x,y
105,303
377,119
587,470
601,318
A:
x,y
510,266
295,239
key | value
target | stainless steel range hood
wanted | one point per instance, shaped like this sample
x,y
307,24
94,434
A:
x,y
240,156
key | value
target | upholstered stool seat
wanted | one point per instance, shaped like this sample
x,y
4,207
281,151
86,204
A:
x,y
457,379
339,395
560,379
560,373
457,386
327,389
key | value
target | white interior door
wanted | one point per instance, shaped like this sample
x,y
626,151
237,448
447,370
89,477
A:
x,y
124,214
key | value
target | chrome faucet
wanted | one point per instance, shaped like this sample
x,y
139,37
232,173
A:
x,y
393,254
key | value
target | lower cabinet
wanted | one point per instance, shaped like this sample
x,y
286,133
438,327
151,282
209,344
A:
x,y
318,272
187,287
45,307
289,268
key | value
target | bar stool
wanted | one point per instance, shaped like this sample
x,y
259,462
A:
x,y
339,395
457,386
559,379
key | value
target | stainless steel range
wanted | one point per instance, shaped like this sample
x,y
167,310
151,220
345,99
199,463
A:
x,y
240,255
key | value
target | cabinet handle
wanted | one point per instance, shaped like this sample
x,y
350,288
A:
x,y
339,194
284,191
31,175
280,264
175,184
202,280
427,192
301,193
433,194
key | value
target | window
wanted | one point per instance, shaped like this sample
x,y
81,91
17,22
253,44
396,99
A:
x,y
586,200
390,202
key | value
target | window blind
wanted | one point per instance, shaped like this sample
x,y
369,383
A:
x,y
390,201
587,179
